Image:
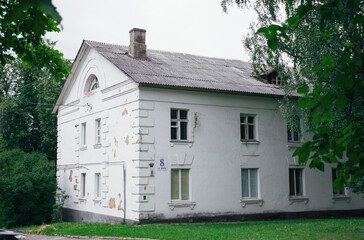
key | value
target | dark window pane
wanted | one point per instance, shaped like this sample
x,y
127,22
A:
x,y
174,123
291,182
242,119
242,132
250,119
295,136
183,130
174,114
182,114
333,179
299,184
251,132
245,182
173,133
289,134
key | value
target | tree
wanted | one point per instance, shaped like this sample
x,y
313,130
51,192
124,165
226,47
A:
x,y
27,99
27,189
323,41
23,24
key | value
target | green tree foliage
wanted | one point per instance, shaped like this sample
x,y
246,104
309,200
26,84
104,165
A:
x,y
27,189
324,42
23,24
27,100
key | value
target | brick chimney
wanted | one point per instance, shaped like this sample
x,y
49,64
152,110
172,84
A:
x,y
137,47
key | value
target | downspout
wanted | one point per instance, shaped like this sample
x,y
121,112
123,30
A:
x,y
124,173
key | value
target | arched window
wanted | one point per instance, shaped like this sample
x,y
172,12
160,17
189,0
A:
x,y
94,84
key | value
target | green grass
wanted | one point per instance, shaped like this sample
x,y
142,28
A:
x,y
298,229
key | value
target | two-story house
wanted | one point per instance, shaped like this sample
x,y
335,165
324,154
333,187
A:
x,y
153,135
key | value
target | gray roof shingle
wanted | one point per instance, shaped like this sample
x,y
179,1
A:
x,y
185,70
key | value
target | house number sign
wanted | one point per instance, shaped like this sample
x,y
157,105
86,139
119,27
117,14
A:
x,y
162,165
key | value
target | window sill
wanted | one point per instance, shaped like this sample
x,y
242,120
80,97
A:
x,y
180,142
181,204
97,145
250,141
246,201
82,199
294,144
294,199
83,148
339,198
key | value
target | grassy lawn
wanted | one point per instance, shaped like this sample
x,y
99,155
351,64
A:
x,y
298,229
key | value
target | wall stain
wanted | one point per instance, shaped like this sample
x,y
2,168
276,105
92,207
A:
x,y
112,203
114,150
119,195
70,177
75,187
116,142
127,140
125,112
119,206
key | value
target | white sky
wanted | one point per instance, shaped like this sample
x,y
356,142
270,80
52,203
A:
x,y
190,26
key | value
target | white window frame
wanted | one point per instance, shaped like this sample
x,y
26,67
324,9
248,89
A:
x,y
291,131
178,121
342,192
249,184
83,134
180,185
83,185
98,131
94,84
97,185
247,131
277,81
295,195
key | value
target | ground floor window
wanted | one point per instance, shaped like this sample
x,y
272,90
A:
x,y
249,182
334,176
180,184
296,182
97,185
83,184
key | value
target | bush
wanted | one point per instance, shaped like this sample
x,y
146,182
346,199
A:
x,y
27,188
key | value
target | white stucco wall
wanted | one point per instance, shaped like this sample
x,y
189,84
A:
x,y
215,156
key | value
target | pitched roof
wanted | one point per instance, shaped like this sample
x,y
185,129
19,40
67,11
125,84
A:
x,y
185,70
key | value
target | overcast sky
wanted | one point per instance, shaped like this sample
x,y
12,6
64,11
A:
x,y
190,26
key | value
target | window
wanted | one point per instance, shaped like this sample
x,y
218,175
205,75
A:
x,y
294,131
98,131
334,176
97,185
295,182
277,81
83,134
179,123
247,128
94,84
249,183
180,184
83,184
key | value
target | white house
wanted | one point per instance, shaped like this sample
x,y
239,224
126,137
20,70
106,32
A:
x,y
153,135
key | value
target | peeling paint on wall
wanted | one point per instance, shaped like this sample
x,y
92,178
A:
x,y
112,203
70,177
127,140
119,195
75,187
119,206
125,112
116,142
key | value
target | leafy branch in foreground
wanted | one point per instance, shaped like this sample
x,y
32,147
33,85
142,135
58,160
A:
x,y
324,42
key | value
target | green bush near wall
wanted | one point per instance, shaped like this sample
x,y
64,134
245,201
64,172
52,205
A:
x,y
27,188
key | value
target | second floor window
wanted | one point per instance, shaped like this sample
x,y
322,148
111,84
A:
x,y
247,128
83,134
294,131
179,124
98,131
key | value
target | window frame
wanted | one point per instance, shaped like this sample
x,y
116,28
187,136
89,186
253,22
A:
x,y
97,131
292,132
342,192
250,184
178,122
83,185
94,82
296,195
97,185
180,185
83,134
247,124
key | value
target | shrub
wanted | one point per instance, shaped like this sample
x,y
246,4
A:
x,y
27,188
